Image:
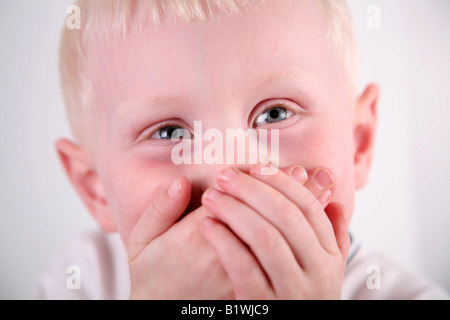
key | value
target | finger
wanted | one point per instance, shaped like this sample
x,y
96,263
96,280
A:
x,y
163,211
337,215
303,198
289,206
247,279
320,182
264,240
297,172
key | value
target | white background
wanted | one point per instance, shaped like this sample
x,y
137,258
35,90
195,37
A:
x,y
403,212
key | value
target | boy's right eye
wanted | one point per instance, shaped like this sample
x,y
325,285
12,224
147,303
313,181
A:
x,y
171,133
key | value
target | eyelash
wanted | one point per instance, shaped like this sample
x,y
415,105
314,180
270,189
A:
x,y
177,128
280,106
253,123
148,134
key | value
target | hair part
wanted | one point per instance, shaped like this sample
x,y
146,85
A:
x,y
102,19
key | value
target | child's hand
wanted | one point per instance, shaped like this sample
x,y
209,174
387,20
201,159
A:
x,y
274,238
170,259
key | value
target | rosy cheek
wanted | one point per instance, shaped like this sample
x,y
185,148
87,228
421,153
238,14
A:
x,y
303,148
313,146
132,188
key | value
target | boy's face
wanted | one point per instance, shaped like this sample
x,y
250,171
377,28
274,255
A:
x,y
225,73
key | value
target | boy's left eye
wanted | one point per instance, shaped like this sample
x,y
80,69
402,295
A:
x,y
273,115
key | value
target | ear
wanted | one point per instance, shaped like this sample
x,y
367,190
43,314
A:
x,y
364,133
84,178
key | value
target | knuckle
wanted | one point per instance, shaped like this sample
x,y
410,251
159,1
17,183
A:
x,y
268,236
245,267
293,217
290,215
313,203
156,211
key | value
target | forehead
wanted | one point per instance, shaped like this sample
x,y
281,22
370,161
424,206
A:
x,y
220,56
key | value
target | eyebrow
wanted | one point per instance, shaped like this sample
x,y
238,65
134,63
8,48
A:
x,y
300,81
261,81
285,75
143,105
282,76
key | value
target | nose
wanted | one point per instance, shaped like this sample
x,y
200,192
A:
x,y
230,148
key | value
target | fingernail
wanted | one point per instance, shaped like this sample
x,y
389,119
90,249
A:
x,y
227,174
323,179
299,174
211,194
174,189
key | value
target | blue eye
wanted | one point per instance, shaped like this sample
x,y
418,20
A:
x,y
171,132
273,115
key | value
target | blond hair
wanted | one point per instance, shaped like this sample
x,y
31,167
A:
x,y
111,18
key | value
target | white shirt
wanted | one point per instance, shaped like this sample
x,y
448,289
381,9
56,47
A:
x,y
94,266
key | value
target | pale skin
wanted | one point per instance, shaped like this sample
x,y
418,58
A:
x,y
245,236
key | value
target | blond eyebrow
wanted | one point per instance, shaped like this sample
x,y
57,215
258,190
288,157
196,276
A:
x,y
281,76
277,76
289,77
265,80
143,105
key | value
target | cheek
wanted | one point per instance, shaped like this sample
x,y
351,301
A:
x,y
312,147
131,189
328,146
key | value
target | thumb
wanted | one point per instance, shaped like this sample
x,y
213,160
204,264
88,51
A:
x,y
162,212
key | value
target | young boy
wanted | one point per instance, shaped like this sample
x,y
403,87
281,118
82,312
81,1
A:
x,y
140,76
